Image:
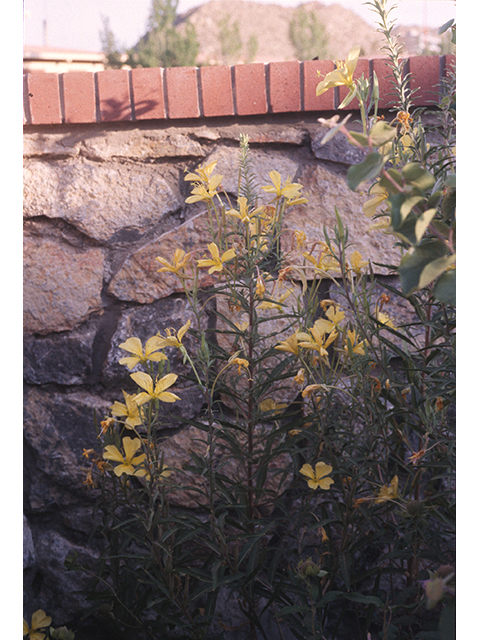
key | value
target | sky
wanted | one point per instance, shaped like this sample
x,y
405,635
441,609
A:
x,y
75,24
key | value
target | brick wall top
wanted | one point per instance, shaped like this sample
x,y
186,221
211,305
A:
x,y
207,92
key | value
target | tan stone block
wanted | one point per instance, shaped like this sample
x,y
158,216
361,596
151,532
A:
x,y
62,286
99,199
326,190
138,279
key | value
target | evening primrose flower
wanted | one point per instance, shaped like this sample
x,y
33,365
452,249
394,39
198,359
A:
x,y
380,194
342,75
178,264
290,190
243,214
129,410
129,460
203,174
351,341
140,355
334,316
289,345
317,478
272,406
172,340
357,263
154,391
315,339
216,263
388,491
277,303
39,621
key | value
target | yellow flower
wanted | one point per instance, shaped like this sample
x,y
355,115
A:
x,y
289,345
140,355
370,207
342,75
351,341
388,491
243,214
202,174
277,304
334,316
172,340
324,262
290,190
129,461
216,262
270,405
317,477
383,318
156,392
300,238
129,410
357,262
39,621
260,287
315,339
178,264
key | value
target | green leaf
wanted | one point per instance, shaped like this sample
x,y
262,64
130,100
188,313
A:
x,y
446,26
366,170
422,264
422,223
400,207
417,176
385,183
445,289
381,133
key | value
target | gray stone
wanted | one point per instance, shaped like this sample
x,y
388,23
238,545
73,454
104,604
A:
x,y
57,428
28,546
64,358
62,284
337,149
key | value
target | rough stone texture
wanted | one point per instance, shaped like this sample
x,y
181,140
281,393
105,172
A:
x,y
62,284
99,199
326,190
64,358
337,149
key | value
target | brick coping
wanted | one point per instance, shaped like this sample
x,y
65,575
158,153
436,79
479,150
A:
x,y
176,93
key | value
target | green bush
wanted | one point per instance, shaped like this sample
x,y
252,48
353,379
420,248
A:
x,y
323,466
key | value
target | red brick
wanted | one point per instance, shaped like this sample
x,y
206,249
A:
x,y
148,100
250,89
386,82
79,96
450,63
313,73
217,94
26,105
363,66
182,92
44,98
284,84
425,76
114,95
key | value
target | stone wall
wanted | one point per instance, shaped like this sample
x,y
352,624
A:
x,y
104,195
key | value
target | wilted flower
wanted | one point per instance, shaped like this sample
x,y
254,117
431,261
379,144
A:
x,y
388,491
174,339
